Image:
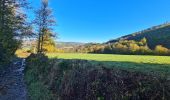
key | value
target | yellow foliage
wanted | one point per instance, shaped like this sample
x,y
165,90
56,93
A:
x,y
134,47
52,49
161,50
22,53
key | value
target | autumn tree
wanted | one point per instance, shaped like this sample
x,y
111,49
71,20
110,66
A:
x,y
160,50
44,22
143,42
49,43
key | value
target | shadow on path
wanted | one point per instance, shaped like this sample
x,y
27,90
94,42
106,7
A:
x,y
12,86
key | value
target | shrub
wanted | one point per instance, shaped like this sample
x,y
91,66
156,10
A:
x,y
36,70
111,84
39,63
37,91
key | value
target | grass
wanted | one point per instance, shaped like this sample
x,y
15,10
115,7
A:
x,y
113,58
143,63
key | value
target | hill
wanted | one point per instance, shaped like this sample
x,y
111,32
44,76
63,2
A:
x,y
156,35
63,45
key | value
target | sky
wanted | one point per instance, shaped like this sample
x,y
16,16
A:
x,y
103,20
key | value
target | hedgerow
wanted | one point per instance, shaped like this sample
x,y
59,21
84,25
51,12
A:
x,y
80,80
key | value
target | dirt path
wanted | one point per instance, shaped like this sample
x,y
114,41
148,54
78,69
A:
x,y
12,85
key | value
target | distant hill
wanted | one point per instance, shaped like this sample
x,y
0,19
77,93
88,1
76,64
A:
x,y
60,45
68,45
157,35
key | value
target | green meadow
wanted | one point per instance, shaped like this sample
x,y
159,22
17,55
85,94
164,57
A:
x,y
142,63
112,57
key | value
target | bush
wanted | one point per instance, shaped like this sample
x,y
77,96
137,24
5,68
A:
x,y
37,91
111,84
39,61
35,72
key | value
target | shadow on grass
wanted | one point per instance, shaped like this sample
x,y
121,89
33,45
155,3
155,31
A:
x,y
151,68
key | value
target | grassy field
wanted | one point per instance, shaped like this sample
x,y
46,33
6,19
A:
x,y
111,57
154,64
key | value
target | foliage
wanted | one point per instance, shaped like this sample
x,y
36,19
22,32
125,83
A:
x,y
22,53
123,47
37,70
49,43
77,79
128,47
161,50
44,22
35,61
111,84
87,48
13,26
38,92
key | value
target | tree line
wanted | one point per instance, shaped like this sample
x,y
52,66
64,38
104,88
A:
x,y
124,47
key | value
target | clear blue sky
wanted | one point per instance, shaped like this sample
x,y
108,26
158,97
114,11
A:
x,y
102,20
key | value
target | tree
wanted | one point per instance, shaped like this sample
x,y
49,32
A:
x,y
160,50
49,43
12,26
133,47
143,42
108,49
44,22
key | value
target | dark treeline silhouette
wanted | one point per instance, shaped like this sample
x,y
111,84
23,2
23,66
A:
x,y
13,26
